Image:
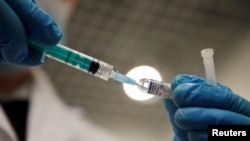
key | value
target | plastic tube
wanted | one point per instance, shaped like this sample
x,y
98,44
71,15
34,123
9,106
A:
x,y
208,62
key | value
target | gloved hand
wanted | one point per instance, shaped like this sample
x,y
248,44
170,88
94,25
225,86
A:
x,y
21,20
196,104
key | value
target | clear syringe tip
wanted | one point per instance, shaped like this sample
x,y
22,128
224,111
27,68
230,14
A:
x,y
123,78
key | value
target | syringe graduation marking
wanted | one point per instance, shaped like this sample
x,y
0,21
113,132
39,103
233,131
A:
x,y
75,59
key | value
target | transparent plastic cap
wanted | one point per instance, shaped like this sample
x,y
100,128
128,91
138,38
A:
x,y
207,55
208,62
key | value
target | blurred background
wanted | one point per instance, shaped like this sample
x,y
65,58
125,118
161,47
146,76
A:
x,y
165,34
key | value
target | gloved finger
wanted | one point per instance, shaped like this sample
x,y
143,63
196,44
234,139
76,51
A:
x,y
12,36
198,135
180,134
33,58
199,118
39,26
180,138
194,92
184,78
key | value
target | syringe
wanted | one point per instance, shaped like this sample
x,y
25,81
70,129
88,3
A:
x,y
82,62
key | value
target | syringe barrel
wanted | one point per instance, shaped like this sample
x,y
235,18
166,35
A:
x,y
75,59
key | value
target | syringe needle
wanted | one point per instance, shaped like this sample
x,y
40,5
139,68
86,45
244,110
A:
x,y
123,78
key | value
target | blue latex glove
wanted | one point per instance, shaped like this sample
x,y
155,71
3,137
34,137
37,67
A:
x,y
196,104
21,20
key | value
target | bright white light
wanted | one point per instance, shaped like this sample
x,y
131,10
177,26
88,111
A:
x,y
138,73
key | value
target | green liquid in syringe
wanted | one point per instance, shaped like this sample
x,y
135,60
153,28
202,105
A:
x,y
70,57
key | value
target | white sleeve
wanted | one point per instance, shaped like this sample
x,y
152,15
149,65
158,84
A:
x,y
89,131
